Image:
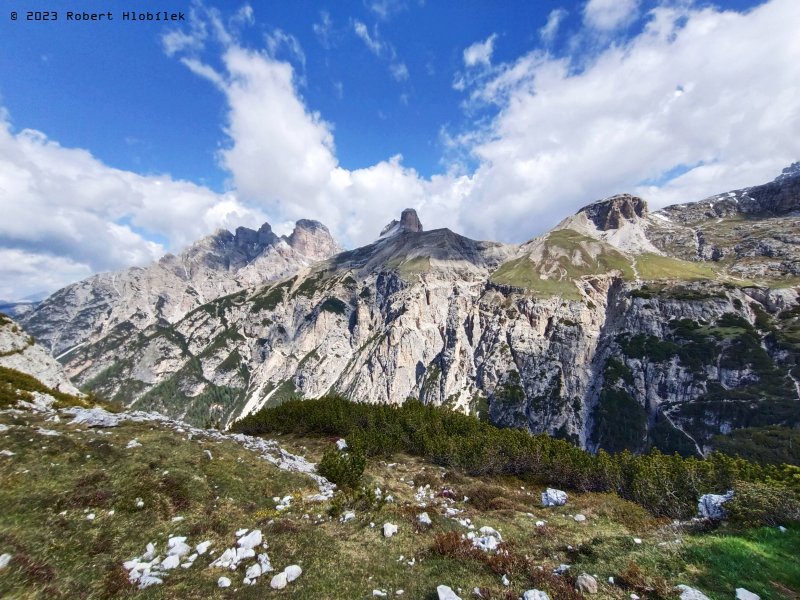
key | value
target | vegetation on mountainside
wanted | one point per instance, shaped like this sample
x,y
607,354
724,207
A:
x,y
765,445
16,385
664,485
741,372
567,255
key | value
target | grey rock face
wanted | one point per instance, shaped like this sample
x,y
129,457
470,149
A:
x,y
20,352
710,506
217,265
612,212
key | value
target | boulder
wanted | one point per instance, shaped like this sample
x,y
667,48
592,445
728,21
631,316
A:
x,y
223,582
743,594
710,505
446,593
586,584
553,497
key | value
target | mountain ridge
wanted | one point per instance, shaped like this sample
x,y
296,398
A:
x,y
612,319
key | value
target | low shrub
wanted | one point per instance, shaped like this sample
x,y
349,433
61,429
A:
x,y
345,469
763,503
666,485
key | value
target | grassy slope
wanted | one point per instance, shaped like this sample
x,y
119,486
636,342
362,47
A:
x,y
560,248
70,557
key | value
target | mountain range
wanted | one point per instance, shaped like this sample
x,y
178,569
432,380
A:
x,y
621,328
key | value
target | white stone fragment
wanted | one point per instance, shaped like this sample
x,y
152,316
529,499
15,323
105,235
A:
x,y
637,541
446,593
535,595
424,519
580,518
505,580
90,517
278,582
241,532
202,547
540,523
48,432
170,562
253,571
379,593
134,443
4,560
242,553
688,593
341,444
250,540
743,594
348,516
389,529
224,582
139,503
293,572
6,453
146,581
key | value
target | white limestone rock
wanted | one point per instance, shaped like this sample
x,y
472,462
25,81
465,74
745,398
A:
x,y
554,497
446,593
292,572
251,540
743,594
689,593
223,582
424,519
279,581
535,595
4,560
586,584
389,529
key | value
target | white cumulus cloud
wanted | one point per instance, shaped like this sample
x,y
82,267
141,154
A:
x,y
480,53
608,15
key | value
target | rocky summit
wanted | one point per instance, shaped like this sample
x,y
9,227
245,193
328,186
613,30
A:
x,y
622,328
111,304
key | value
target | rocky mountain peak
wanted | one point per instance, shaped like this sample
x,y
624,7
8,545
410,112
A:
x,y
790,172
612,212
312,239
253,242
409,223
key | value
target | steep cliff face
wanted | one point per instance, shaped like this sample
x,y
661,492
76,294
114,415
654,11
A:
x,y
20,352
165,291
609,330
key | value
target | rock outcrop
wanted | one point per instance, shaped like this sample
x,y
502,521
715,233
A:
x,y
136,298
20,352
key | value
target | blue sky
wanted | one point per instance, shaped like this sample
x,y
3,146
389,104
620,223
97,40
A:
x,y
120,141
